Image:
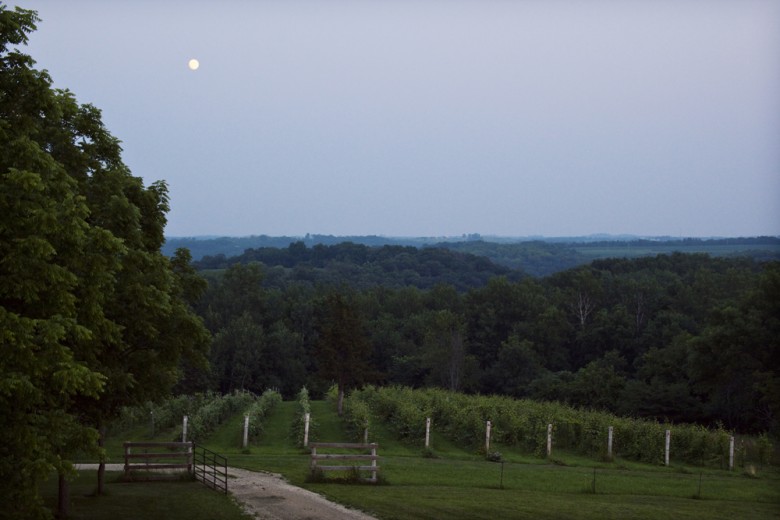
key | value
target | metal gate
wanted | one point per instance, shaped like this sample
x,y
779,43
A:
x,y
210,468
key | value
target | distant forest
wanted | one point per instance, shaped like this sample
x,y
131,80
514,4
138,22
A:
x,y
539,257
680,337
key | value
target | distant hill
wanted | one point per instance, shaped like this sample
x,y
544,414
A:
x,y
537,256
233,246
542,258
364,266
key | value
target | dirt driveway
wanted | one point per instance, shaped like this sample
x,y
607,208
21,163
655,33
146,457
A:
x,y
268,496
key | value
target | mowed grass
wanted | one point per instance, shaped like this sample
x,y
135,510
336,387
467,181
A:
x,y
169,500
460,484
447,488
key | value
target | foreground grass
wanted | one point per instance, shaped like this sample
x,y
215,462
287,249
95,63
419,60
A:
x,y
437,488
170,500
459,484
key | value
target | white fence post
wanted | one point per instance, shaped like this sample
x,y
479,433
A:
x,y
306,430
373,463
427,432
365,436
731,453
609,442
487,438
667,443
184,429
549,440
246,430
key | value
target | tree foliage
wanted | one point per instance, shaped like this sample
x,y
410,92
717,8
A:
x,y
362,266
92,315
685,338
343,350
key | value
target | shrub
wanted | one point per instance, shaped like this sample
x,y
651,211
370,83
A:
x,y
298,428
259,410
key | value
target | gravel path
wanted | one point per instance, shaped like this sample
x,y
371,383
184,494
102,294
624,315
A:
x,y
267,496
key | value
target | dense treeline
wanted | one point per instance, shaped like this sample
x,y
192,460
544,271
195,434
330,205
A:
x,y
536,257
362,266
543,258
684,338
201,247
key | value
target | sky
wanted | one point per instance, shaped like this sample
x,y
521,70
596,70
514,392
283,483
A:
x,y
433,118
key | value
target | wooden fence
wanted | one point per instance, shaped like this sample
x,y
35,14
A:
x,y
165,456
373,457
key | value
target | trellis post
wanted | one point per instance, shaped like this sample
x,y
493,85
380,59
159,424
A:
x,y
549,440
731,453
246,431
667,444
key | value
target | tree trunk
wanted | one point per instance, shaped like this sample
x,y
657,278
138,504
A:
x,y
341,400
63,499
101,474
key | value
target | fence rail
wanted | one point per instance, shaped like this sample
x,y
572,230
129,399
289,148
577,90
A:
x,y
211,468
178,456
373,457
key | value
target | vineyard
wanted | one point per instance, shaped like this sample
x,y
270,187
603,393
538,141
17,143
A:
x,y
457,476
523,424
516,424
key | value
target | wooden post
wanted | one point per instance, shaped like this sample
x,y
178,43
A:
x,y
609,442
151,415
184,429
731,453
487,438
306,429
190,459
667,445
246,431
549,440
427,433
373,463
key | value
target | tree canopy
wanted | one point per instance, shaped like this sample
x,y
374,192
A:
x,y
680,337
93,316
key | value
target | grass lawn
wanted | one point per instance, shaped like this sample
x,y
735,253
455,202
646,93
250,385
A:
x,y
460,484
441,488
170,500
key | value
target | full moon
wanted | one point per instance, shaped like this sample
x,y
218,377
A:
x,y
193,64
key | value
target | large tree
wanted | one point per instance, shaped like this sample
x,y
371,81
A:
x,y
92,315
343,351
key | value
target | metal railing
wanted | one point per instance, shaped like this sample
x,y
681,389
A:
x,y
210,468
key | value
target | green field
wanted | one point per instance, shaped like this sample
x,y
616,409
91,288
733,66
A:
x,y
629,250
170,499
458,483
